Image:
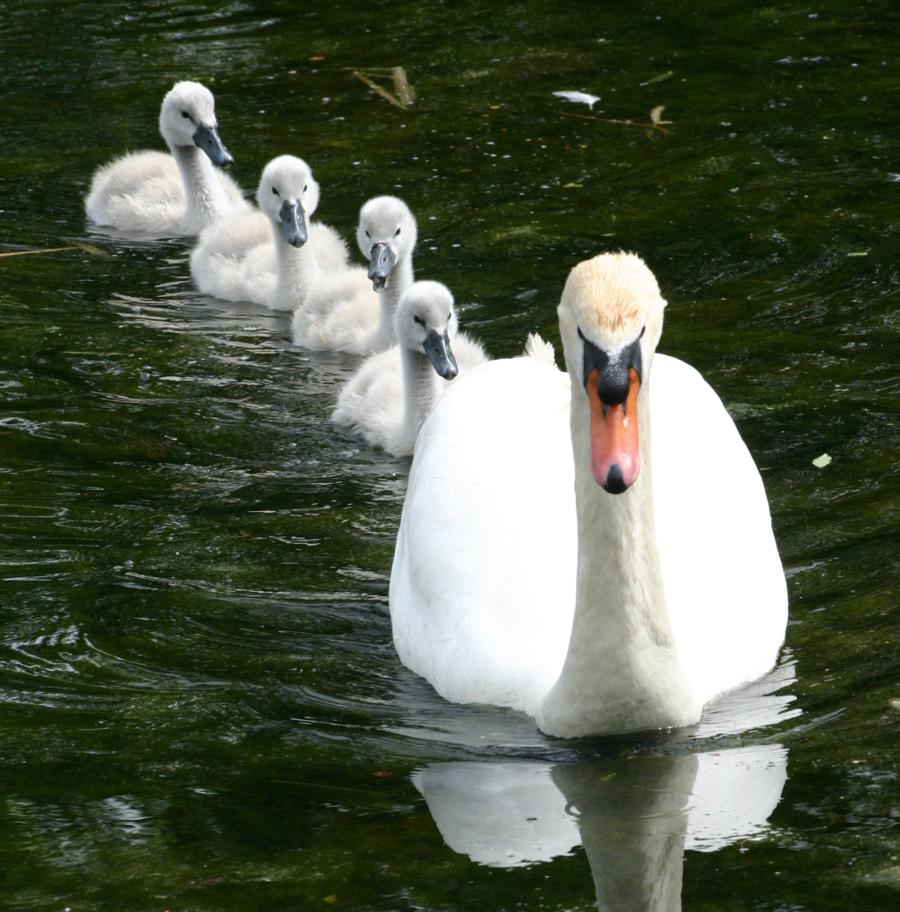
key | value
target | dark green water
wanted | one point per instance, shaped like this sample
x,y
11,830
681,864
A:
x,y
200,704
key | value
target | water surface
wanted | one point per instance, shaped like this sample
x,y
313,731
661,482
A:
x,y
200,703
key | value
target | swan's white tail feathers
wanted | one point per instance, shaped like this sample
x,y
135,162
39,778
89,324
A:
x,y
539,349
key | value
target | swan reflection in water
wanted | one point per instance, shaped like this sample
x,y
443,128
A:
x,y
635,815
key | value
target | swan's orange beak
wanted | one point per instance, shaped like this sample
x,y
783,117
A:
x,y
615,458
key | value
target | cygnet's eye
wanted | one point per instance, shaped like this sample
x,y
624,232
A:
x,y
396,232
369,236
185,114
275,191
419,320
305,187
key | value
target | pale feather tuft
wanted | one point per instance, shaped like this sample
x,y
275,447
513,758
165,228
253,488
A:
x,y
539,349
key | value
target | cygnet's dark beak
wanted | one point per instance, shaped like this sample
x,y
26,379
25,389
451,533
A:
x,y
381,262
437,347
293,223
207,139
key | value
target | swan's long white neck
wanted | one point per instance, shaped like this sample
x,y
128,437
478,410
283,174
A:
x,y
298,270
622,671
421,386
399,280
206,198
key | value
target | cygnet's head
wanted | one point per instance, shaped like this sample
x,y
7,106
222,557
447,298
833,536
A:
x,y
288,194
188,118
426,322
386,233
610,320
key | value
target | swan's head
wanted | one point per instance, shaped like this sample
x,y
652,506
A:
x,y
610,320
426,322
386,233
288,194
188,118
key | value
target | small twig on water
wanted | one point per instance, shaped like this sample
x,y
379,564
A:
x,y
77,245
404,96
404,90
383,92
624,123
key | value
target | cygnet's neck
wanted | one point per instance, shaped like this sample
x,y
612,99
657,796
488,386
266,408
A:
x,y
622,671
298,270
398,281
206,198
421,386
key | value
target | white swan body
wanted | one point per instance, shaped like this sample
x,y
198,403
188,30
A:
x,y
273,256
391,394
519,581
353,311
163,195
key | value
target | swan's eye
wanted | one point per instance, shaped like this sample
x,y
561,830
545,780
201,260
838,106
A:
x,y
643,329
396,232
275,191
369,236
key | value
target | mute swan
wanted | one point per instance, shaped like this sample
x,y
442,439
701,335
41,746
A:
x,y
354,311
272,256
552,558
390,396
178,194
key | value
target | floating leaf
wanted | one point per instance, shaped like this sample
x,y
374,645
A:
x,y
582,97
572,186
821,461
858,253
660,78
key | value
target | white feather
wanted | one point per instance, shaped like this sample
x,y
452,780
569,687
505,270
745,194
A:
x,y
579,97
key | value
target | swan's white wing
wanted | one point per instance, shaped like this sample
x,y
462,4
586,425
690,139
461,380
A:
x,y
235,259
724,584
331,251
142,191
342,313
483,581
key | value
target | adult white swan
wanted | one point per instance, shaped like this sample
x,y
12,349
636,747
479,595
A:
x,y
353,311
554,558
273,256
179,194
392,393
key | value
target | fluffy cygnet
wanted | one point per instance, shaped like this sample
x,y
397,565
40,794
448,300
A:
x,y
390,396
353,311
274,256
163,195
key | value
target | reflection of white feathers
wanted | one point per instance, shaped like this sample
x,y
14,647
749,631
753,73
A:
x,y
582,97
508,814
503,814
